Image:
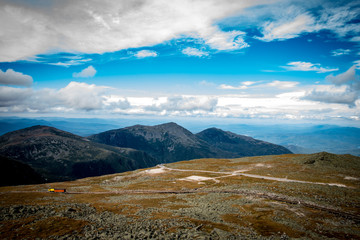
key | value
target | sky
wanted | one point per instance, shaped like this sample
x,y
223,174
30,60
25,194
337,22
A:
x,y
258,60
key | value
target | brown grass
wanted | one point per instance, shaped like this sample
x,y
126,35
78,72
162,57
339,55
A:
x,y
30,198
208,226
30,228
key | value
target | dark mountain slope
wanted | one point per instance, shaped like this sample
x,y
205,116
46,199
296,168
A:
x,y
13,172
58,155
166,142
171,142
239,145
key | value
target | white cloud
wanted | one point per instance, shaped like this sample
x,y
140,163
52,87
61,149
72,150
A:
x,y
224,41
339,19
185,104
357,64
342,78
194,52
85,73
346,89
340,52
229,87
344,97
10,77
85,98
101,26
146,53
248,83
290,19
72,62
355,39
10,96
308,66
82,96
282,84
286,28
242,86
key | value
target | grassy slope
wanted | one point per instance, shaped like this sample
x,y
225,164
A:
x,y
216,215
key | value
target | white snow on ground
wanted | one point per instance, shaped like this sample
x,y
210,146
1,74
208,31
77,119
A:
x,y
198,179
155,171
263,165
240,173
351,178
289,180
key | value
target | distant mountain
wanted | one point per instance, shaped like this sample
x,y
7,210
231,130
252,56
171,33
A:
x,y
333,139
170,142
82,127
239,145
58,155
166,142
13,172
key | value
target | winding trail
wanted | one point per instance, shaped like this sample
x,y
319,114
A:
x,y
240,173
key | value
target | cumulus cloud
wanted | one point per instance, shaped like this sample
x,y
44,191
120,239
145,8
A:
x,y
194,52
74,97
10,77
114,102
344,97
185,104
107,26
342,78
346,89
82,96
90,71
308,66
145,53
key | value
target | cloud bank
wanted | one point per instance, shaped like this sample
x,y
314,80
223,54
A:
x,y
345,89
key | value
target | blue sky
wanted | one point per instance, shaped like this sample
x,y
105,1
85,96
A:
x,y
263,60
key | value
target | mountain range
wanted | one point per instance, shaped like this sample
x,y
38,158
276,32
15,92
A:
x,y
57,155
303,138
170,142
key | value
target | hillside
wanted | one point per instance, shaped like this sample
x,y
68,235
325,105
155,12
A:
x,y
13,172
58,155
170,143
239,145
265,197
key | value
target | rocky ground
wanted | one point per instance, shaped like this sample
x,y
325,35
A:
x,y
199,199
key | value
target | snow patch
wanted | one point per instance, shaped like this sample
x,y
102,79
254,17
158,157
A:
x,y
351,178
198,179
154,171
263,165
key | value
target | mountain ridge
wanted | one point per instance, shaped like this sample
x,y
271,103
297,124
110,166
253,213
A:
x,y
166,141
